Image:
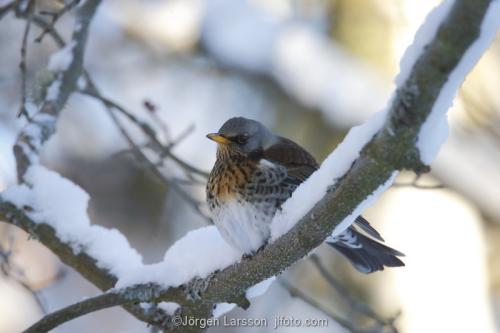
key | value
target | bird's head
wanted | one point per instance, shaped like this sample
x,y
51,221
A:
x,y
242,137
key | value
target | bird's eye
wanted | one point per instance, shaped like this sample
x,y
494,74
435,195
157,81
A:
x,y
241,139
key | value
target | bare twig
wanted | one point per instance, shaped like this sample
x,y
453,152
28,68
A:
x,y
96,303
153,112
174,142
22,65
55,16
114,297
7,8
27,146
43,24
356,305
91,90
296,292
149,132
152,167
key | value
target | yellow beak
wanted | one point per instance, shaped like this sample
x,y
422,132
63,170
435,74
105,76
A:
x,y
218,138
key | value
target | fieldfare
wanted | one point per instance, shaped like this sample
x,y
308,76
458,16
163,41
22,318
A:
x,y
255,172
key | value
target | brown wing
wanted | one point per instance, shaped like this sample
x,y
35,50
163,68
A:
x,y
300,165
298,162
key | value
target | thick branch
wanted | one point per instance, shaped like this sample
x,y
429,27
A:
x,y
45,234
89,305
103,301
392,148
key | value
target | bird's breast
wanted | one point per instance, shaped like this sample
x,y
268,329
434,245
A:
x,y
244,225
227,181
243,199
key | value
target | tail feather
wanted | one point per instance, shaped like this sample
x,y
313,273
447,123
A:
x,y
365,254
362,223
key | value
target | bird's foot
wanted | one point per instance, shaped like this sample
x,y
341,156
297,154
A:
x,y
249,255
196,287
262,247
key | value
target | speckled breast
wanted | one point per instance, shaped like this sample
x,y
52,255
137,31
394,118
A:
x,y
243,199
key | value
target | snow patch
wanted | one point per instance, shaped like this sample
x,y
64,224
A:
x,y
222,308
199,253
169,307
257,290
60,60
81,83
53,90
58,202
260,288
51,199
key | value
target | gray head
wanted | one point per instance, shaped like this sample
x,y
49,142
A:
x,y
243,136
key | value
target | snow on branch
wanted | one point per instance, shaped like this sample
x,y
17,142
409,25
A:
x,y
403,137
434,130
41,196
34,205
67,65
99,254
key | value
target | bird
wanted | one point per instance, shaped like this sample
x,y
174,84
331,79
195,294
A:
x,y
255,172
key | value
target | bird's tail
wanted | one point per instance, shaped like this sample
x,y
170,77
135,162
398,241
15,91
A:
x,y
364,253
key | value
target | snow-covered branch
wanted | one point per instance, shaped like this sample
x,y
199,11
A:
x,y
407,136
67,66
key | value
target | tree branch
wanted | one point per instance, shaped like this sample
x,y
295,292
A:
x,y
147,130
392,148
360,307
164,151
55,16
86,265
24,49
103,301
27,147
297,292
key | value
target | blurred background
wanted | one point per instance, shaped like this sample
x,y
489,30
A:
x,y
308,69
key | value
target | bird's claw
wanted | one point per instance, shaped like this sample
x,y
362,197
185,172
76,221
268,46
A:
x,y
247,256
